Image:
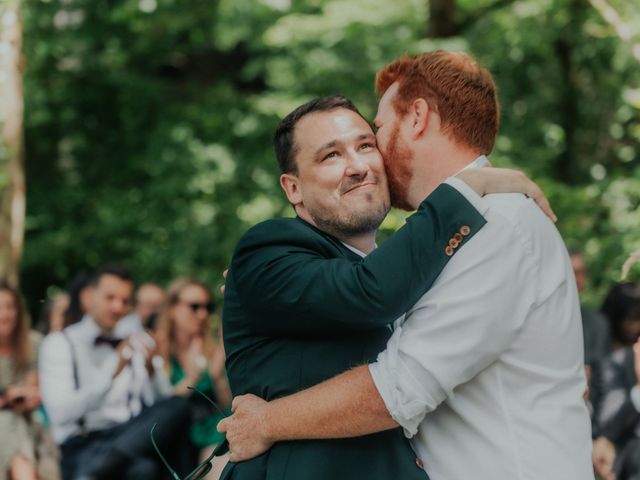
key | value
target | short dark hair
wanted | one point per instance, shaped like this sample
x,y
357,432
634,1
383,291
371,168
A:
x,y
283,144
574,252
113,269
75,311
622,302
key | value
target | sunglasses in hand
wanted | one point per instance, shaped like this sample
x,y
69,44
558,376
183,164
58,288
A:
x,y
204,467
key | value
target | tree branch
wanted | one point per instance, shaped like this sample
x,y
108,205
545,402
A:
x,y
472,18
622,29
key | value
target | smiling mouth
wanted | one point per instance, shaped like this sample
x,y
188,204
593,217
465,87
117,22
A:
x,y
359,185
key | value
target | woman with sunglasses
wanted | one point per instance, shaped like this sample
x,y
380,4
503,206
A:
x,y
194,358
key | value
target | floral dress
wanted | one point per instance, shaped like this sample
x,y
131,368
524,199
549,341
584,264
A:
x,y
16,430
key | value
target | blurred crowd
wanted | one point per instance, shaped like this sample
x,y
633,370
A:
x,y
612,365
106,364
81,392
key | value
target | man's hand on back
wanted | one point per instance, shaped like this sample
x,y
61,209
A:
x,y
245,429
505,180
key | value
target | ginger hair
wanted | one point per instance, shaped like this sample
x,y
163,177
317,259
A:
x,y
455,86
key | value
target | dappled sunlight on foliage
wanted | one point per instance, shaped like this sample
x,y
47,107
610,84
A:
x,y
149,122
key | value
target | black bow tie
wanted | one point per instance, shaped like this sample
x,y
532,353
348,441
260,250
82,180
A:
x,y
104,340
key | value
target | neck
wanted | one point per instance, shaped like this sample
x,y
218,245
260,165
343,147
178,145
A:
x,y
433,164
366,243
106,331
182,341
6,347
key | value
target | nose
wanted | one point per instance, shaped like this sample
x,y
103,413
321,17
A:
x,y
119,307
357,165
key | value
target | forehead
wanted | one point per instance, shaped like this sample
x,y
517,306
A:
x,y
150,291
112,284
6,297
319,128
193,290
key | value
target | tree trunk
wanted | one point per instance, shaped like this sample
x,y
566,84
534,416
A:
x,y
566,164
442,18
12,185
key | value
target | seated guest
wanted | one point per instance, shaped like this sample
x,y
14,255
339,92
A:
x,y
149,299
19,392
53,312
597,340
621,307
79,298
619,415
597,347
193,358
100,391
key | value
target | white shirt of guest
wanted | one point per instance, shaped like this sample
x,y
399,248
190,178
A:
x,y
486,371
99,400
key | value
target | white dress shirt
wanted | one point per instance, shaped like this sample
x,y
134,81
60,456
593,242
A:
x,y
100,401
486,372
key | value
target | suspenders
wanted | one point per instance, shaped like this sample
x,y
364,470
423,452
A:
x,y
81,422
76,380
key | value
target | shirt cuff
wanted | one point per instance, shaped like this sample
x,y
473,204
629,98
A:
x,y
406,404
635,397
469,193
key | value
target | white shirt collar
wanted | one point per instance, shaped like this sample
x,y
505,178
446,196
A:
x,y
355,250
481,161
89,326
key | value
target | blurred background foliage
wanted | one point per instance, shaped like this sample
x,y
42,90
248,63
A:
x,y
148,123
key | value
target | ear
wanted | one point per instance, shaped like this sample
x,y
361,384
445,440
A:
x,y
291,186
419,117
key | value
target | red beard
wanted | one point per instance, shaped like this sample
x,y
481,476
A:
x,y
397,163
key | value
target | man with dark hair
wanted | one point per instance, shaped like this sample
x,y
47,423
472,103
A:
x,y
100,389
301,303
485,373
283,139
597,339
618,415
597,347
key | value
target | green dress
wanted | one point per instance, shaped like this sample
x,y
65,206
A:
x,y
203,430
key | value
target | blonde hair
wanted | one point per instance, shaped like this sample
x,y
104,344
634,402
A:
x,y
629,262
165,326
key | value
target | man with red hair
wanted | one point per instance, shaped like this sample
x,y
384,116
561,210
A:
x,y
485,373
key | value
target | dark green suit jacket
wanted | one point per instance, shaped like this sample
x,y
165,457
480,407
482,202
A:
x,y
300,308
